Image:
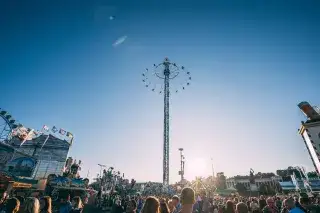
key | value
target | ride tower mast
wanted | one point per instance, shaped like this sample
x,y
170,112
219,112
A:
x,y
166,73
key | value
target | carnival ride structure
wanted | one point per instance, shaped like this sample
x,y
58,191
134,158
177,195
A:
x,y
70,182
7,125
166,78
109,183
301,181
17,166
112,181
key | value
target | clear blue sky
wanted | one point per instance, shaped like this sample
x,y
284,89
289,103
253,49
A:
x,y
251,64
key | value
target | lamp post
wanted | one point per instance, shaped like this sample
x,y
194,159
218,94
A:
x,y
182,162
212,168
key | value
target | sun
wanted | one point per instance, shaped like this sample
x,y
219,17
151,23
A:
x,y
196,167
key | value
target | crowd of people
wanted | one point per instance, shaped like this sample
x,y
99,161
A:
x,y
187,202
43,204
190,202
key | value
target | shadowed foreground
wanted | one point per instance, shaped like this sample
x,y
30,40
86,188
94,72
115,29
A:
x,y
92,209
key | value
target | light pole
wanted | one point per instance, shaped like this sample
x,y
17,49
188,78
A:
x,y
159,80
212,168
182,161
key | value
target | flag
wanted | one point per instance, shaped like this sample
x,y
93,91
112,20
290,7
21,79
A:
x,y
45,128
28,137
54,129
62,132
69,135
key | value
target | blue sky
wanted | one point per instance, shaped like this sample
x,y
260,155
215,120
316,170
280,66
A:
x,y
251,63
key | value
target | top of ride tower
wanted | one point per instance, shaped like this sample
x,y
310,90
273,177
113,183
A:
x,y
312,113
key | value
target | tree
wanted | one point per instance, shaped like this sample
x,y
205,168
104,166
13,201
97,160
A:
x,y
271,190
266,189
312,174
282,172
221,181
278,187
263,189
240,187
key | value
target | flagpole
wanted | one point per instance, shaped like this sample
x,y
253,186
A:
x,y
44,142
28,135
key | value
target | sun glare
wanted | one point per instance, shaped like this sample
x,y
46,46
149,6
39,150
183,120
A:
x,y
196,167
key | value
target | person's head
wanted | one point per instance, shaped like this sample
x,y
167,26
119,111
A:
x,y
151,205
171,206
242,208
175,200
289,203
203,194
45,204
13,205
164,207
188,196
131,206
31,205
77,202
229,206
270,202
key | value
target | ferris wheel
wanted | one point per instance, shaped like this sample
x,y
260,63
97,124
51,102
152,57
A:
x,y
7,125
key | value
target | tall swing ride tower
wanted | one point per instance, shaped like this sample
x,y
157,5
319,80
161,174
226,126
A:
x,y
167,78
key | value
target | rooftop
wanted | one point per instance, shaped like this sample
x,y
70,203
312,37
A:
x,y
52,142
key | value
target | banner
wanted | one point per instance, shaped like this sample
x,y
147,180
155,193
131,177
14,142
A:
x,y
45,128
62,132
69,135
